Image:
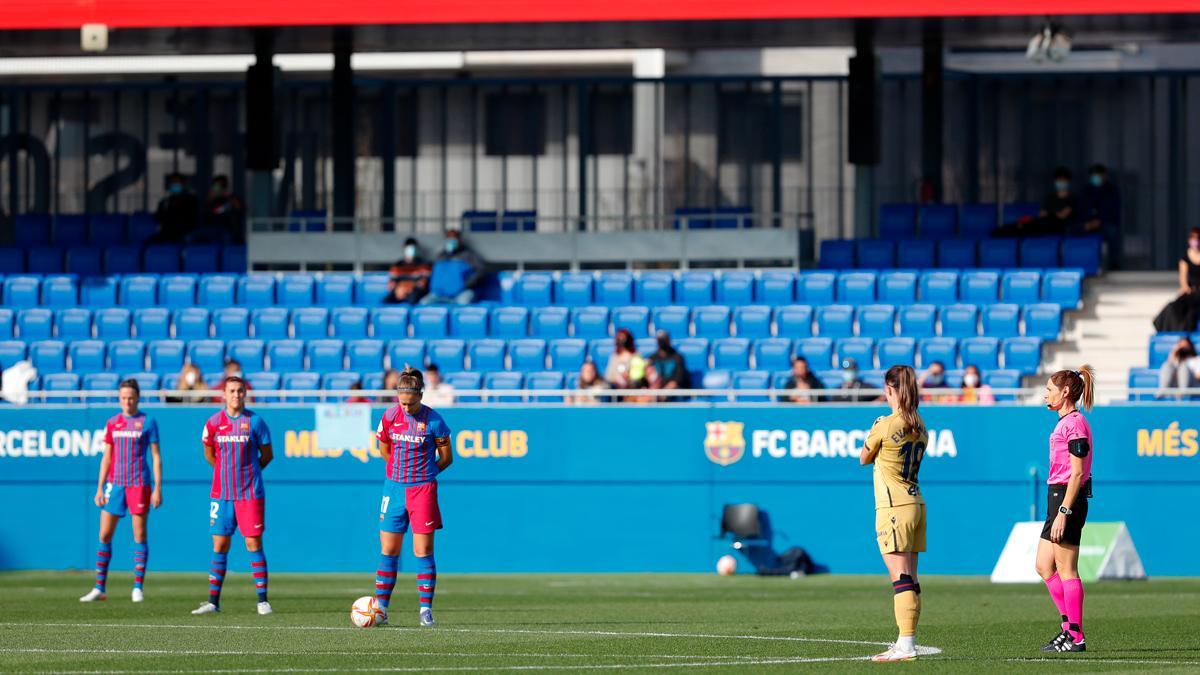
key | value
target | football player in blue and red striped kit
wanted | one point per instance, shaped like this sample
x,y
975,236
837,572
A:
x,y
124,486
415,443
237,444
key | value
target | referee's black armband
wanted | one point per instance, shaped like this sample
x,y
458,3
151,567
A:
x,y
1078,447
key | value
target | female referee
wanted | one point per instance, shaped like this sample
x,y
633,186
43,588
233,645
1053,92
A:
x,y
1070,484
896,446
415,443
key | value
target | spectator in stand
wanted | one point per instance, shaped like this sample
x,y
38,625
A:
x,y
626,368
438,392
455,274
935,378
1058,208
590,383
190,386
224,214
666,368
409,276
1181,313
233,368
802,379
852,385
1100,211
1181,370
357,397
973,388
391,380
176,212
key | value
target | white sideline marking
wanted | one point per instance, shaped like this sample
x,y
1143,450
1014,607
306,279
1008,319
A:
x,y
1094,661
359,652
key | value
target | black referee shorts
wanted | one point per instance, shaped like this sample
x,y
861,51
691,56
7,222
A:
x,y
1075,521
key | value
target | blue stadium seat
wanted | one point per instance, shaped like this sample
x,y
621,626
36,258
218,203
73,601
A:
x,y
510,322
250,353
614,289
123,260
1003,379
794,321
655,288
326,355
549,322
958,253
696,288
527,354
301,381
85,261
61,382
100,382
74,323
942,349
106,229
365,355
256,290
192,323
177,290
389,323
12,260
404,352
1023,354
217,290
142,226
599,351
978,220
233,259
1001,320
430,321
735,288
916,254
897,351
11,351
719,380
373,381
127,356
939,287
574,289
146,381
733,217
70,229
567,354
296,289
775,288
340,381
876,253
22,291
487,354
31,229
816,288
1143,378
861,349
60,291
87,356
752,321
465,382
635,318
979,286
818,351
335,290
1015,212
1161,345
1021,286
960,320
349,323
835,321
646,345
310,323
535,289
469,321
672,319
45,260
589,323
449,355
1043,320
981,352
201,258
1062,287
1082,252
755,380
152,323
692,217
371,288
98,291
999,253
939,221
207,355
732,353
856,288
896,221
161,259
773,354
877,321
545,381
270,323
166,356
898,287
140,290
837,254
711,321
35,323
7,317
1040,251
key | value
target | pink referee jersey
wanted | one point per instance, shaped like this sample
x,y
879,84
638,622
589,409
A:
x,y
1072,426
130,438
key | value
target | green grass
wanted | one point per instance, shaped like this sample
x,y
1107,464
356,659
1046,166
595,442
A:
x,y
575,622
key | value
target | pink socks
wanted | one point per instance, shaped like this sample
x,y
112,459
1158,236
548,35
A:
x,y
1072,590
1055,585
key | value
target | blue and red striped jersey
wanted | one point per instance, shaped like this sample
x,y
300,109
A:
x,y
236,442
130,438
414,453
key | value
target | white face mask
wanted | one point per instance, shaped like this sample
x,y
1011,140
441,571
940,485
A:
x,y
970,380
189,378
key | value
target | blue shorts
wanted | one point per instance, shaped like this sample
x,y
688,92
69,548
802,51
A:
x,y
404,503
226,515
123,499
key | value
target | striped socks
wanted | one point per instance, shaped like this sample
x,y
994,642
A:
x,y
385,579
216,577
426,580
258,565
103,556
141,553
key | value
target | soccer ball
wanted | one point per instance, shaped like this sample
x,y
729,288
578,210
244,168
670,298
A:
x,y
365,612
727,565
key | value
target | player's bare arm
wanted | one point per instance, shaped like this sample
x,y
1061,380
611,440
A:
x,y
265,455
105,463
445,457
156,495
210,455
1073,485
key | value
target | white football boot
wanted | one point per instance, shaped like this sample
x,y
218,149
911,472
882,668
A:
x,y
895,653
206,608
137,595
94,595
426,617
264,608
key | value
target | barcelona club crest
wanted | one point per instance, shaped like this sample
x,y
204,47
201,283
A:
x,y
724,443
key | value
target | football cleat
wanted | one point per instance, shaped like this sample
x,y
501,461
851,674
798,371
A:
x,y
137,595
94,595
894,653
264,608
1052,646
382,620
1068,645
206,608
426,617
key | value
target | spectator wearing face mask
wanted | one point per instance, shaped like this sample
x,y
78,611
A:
x,y
852,386
1181,313
973,388
224,213
176,212
456,273
409,280
1100,211
626,368
189,387
935,378
666,368
1058,208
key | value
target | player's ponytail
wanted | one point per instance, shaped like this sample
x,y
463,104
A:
x,y
1080,384
411,378
904,381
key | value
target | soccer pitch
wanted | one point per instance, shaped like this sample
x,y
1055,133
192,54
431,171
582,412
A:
x,y
566,623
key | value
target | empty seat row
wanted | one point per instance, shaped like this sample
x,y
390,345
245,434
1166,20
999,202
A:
x,y
761,380
77,229
944,221
1003,253
123,259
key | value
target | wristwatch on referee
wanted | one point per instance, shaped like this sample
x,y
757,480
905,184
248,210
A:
x,y
1065,511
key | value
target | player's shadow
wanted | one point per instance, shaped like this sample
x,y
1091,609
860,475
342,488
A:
x,y
749,530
